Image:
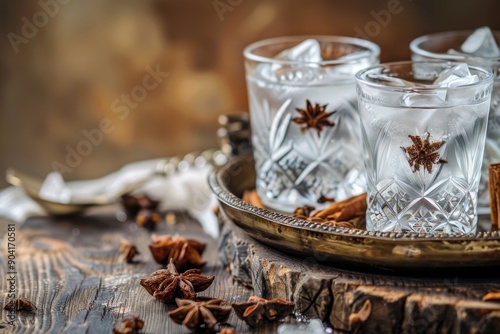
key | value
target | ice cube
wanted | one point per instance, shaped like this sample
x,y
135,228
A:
x,y
481,43
392,81
458,75
424,99
301,74
412,99
355,55
306,68
308,51
314,326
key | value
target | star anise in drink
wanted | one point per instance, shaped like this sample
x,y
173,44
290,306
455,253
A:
x,y
423,153
20,304
129,325
314,117
258,310
185,253
167,284
204,313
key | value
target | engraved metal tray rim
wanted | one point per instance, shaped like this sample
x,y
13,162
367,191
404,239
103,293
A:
x,y
478,249
222,192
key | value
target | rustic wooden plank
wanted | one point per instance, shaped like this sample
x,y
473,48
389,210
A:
x,y
425,303
71,269
430,314
386,310
478,317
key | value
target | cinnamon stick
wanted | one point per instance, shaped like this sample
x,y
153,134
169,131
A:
x,y
251,196
343,210
494,184
347,213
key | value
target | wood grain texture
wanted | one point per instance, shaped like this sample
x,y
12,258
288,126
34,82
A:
x,y
71,270
494,188
400,304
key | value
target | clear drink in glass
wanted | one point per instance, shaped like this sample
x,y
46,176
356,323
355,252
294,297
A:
x,y
446,46
423,146
304,117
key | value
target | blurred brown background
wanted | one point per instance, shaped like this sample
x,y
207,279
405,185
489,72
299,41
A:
x,y
67,65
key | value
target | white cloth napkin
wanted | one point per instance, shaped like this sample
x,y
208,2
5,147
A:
x,y
186,189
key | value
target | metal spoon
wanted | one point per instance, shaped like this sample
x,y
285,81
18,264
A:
x,y
32,186
47,195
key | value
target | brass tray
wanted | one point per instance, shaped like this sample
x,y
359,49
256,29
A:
x,y
339,245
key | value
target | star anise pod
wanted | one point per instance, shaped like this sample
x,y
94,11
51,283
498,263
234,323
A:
x,y
133,204
324,199
129,325
148,219
167,284
129,251
314,117
186,253
423,153
204,313
20,304
258,310
303,211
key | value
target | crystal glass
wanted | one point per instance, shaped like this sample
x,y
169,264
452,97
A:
x,y
423,147
305,122
436,47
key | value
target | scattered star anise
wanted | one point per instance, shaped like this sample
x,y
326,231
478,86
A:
x,y
314,117
185,253
258,310
167,284
129,325
20,304
143,209
129,251
303,211
324,199
423,153
148,219
133,204
204,313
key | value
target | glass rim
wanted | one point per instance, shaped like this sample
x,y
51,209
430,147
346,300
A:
x,y
408,89
415,46
248,51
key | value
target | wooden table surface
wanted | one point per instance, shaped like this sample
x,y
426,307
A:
x,y
71,270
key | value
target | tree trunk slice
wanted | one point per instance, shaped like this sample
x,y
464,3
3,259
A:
x,y
398,304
